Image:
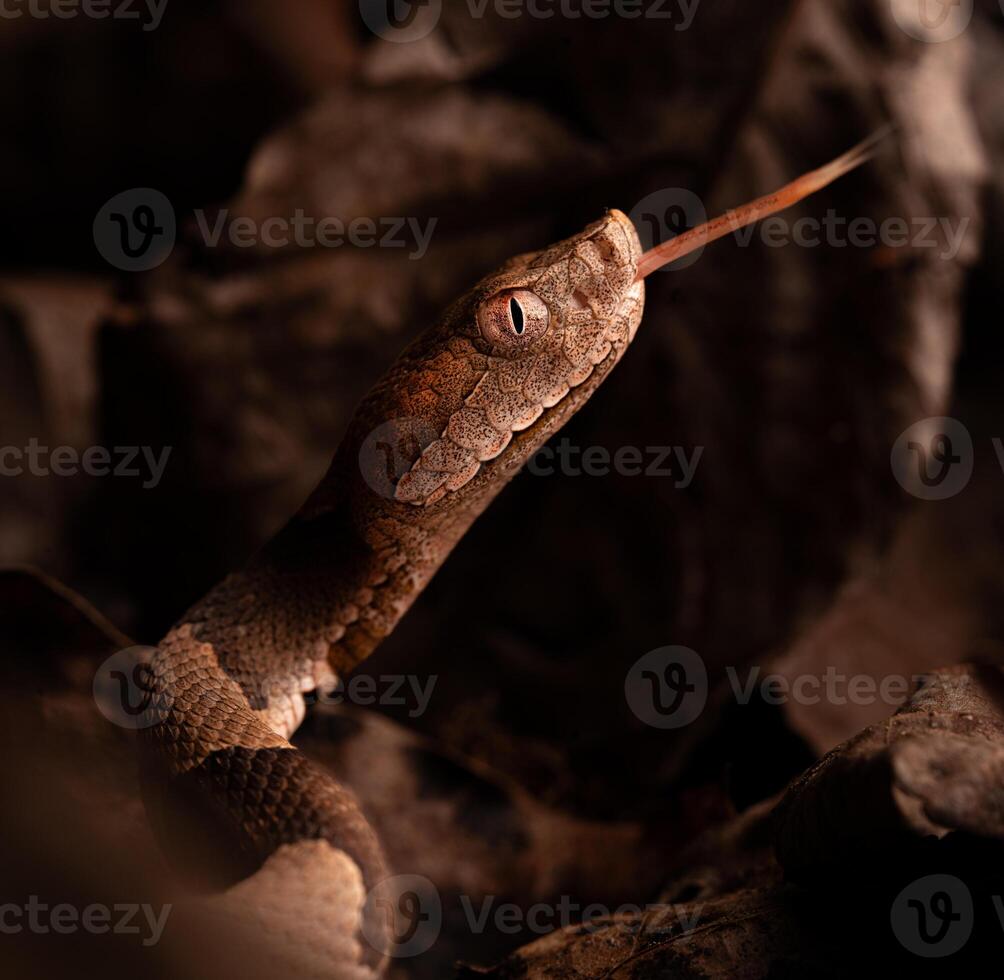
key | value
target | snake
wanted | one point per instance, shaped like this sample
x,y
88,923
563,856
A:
x,y
233,802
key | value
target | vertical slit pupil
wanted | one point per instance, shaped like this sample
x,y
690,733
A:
x,y
516,314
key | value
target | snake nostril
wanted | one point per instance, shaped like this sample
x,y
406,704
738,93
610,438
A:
x,y
578,300
606,248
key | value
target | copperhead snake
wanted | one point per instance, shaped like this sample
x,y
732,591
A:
x,y
233,802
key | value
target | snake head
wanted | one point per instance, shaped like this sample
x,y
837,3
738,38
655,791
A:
x,y
513,359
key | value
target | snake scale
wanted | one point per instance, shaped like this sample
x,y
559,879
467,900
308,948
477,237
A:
x,y
466,404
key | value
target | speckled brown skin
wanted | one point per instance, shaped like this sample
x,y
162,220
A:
x,y
225,788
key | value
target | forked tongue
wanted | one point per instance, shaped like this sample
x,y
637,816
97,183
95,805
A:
x,y
762,207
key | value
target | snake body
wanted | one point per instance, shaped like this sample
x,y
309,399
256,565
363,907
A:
x,y
464,407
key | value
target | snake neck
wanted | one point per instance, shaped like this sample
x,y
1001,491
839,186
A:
x,y
322,595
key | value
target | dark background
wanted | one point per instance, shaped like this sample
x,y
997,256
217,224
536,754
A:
x,y
796,369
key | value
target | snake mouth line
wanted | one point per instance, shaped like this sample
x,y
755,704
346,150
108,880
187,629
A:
x,y
526,442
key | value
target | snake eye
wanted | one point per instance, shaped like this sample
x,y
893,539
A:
x,y
513,318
